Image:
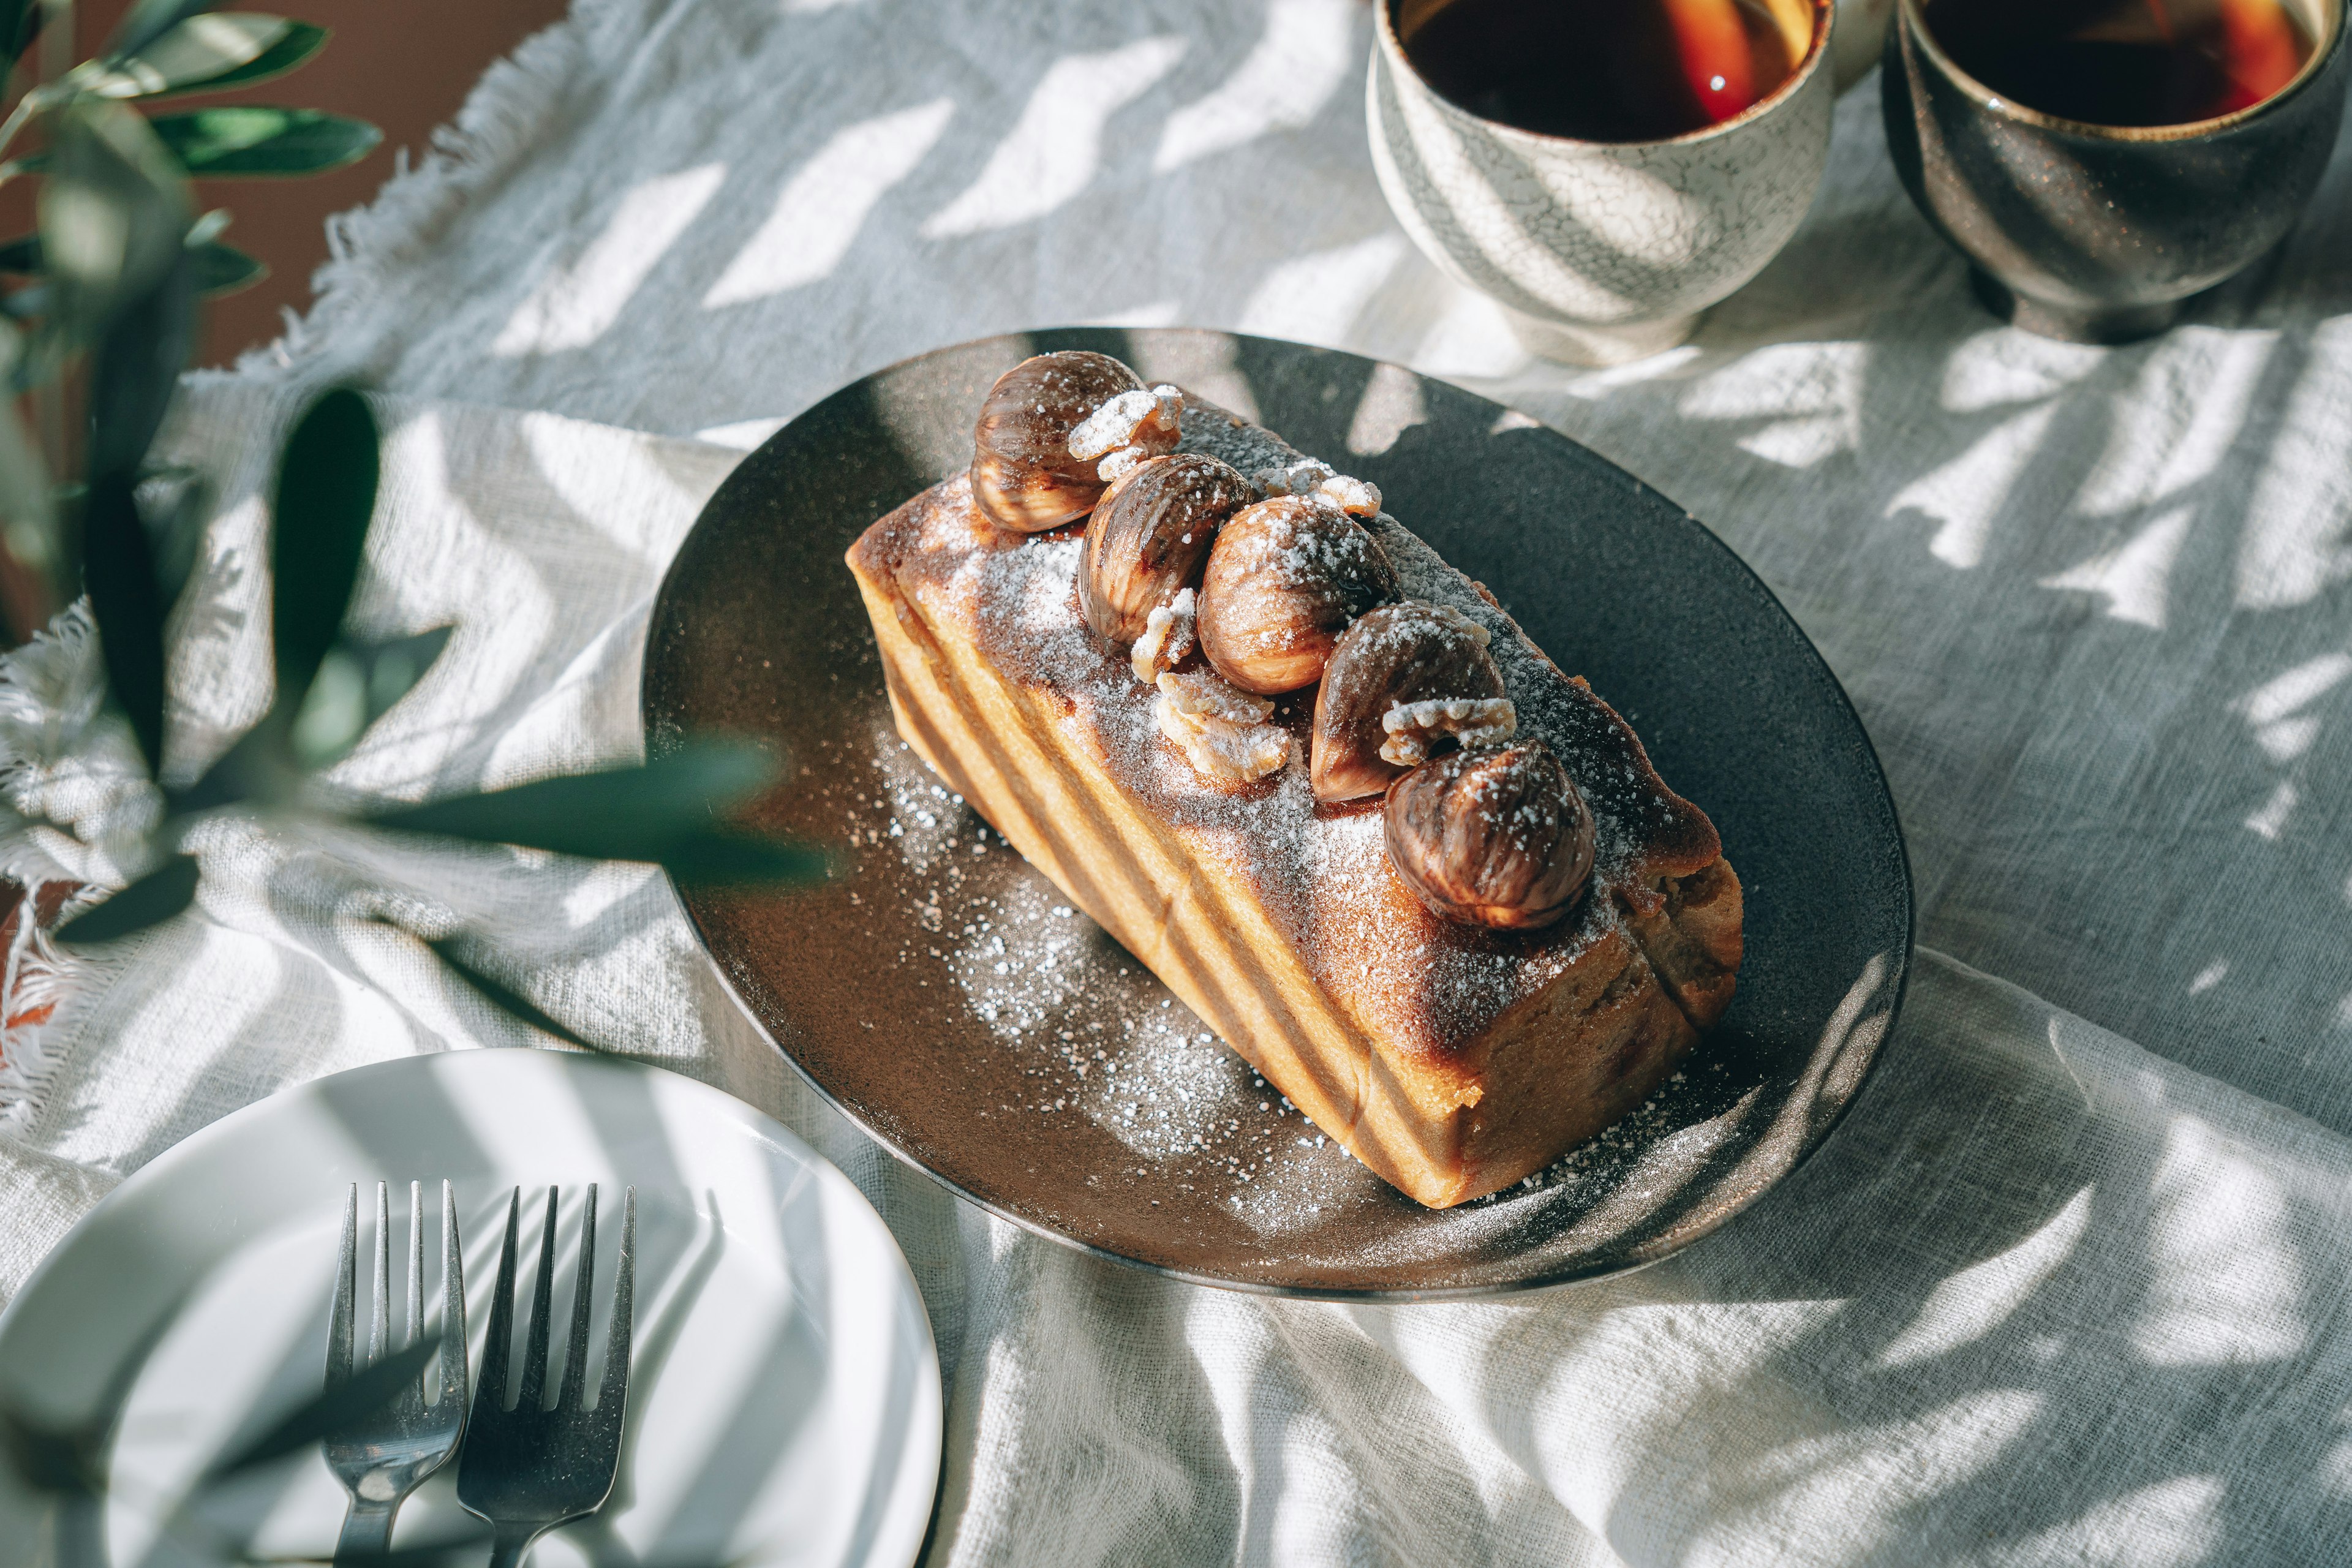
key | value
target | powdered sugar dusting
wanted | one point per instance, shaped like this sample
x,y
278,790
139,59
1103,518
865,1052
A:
x,y
1098,1037
1420,982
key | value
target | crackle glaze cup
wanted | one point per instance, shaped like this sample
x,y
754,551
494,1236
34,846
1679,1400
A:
x,y
1600,252
2099,234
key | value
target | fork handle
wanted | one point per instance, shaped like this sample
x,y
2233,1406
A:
x,y
513,1542
367,1530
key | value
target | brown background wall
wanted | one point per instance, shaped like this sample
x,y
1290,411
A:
x,y
405,65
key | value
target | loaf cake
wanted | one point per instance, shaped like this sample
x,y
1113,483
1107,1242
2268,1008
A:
x,y
1454,1043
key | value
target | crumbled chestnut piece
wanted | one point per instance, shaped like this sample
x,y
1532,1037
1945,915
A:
x,y
1491,838
1285,579
1223,732
1416,730
1148,537
1314,480
1133,427
1169,637
1023,476
1393,657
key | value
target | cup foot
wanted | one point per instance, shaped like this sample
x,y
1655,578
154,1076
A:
x,y
2071,323
1596,347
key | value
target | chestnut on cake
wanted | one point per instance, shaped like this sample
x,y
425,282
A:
x,y
1312,776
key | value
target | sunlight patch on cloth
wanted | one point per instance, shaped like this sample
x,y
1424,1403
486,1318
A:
x,y
2298,524
2224,1285
2171,1524
583,468
1151,313
2270,819
1970,494
578,304
2135,577
1470,337
2003,366
1317,298
1306,54
822,207
1978,1300
1051,153
1803,1491
2272,708
1809,394
2180,420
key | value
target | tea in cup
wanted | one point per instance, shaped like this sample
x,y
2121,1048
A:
x,y
1605,169
2101,162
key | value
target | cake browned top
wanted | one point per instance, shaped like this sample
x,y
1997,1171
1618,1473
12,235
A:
x,y
1429,987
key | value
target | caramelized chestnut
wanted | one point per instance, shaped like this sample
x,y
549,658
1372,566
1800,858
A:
x,y
1284,580
1148,537
1023,476
1497,838
1400,657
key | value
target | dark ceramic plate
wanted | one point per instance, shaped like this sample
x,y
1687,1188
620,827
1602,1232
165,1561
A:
x,y
940,994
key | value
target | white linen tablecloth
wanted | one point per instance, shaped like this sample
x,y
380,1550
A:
x,y
2069,1284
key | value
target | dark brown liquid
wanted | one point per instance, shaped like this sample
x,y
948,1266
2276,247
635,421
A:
x,y
1601,70
2125,62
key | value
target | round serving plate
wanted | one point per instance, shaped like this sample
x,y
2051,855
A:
x,y
783,1400
944,995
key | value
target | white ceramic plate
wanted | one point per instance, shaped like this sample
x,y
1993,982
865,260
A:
x,y
784,1393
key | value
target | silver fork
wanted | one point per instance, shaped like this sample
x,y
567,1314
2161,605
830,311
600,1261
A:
x,y
381,1458
526,1470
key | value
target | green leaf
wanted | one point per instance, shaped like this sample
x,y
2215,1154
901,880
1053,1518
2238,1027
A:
x,y
733,857
119,573
264,763
326,494
147,21
28,521
220,269
136,371
357,684
393,667
362,1396
247,139
666,812
20,24
687,787
208,54
225,269
151,901
501,996
60,1460
114,212
259,766
333,712
175,503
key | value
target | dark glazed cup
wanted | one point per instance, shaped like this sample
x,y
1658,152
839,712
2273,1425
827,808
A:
x,y
2098,233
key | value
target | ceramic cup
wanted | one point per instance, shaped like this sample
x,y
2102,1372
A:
x,y
1600,252
2099,233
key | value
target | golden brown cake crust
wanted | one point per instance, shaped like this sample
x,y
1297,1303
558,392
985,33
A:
x,y
1508,1046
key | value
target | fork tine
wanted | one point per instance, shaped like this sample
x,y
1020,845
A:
x,y
576,1352
534,1363
490,1392
453,1300
413,1326
380,1313
339,1328
617,1338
